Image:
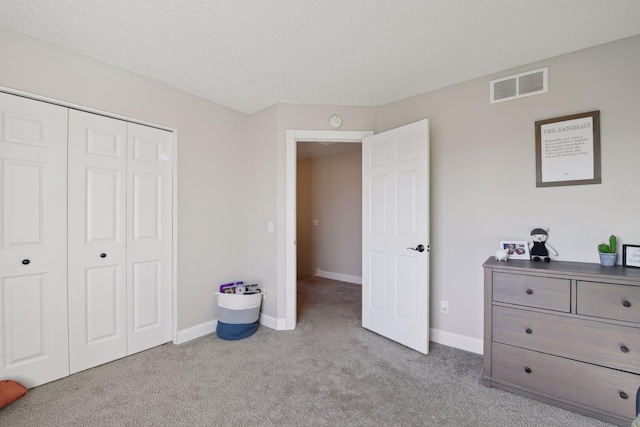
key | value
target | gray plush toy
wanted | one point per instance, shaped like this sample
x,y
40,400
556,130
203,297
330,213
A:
x,y
539,248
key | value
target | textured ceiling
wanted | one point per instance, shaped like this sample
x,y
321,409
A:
x,y
249,55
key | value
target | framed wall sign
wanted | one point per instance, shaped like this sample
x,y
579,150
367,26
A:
x,y
568,150
631,255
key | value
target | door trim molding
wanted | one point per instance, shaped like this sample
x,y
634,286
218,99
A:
x,y
174,178
292,138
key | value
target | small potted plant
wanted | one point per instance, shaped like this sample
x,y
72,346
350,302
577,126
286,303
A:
x,y
608,255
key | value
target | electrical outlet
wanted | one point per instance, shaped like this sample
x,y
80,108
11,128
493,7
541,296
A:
x,y
444,307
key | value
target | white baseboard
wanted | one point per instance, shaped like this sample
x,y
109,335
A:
x,y
272,322
450,339
338,276
462,342
195,332
210,327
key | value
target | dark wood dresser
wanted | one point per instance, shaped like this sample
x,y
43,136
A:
x,y
565,333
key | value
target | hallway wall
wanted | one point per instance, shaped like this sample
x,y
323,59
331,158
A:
x,y
329,189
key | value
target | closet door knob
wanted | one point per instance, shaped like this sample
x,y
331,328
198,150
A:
x,y
626,303
527,370
528,330
624,395
529,291
624,349
25,261
103,255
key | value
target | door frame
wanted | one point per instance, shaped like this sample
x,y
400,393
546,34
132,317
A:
x,y
293,137
174,172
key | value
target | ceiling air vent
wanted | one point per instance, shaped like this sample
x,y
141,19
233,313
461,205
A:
x,y
518,86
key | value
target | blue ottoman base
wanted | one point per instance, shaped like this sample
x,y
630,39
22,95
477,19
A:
x,y
227,331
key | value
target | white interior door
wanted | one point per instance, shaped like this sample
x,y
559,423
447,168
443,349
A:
x,y
97,239
395,208
33,241
149,237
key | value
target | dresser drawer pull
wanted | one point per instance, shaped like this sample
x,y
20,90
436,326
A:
x,y
528,330
626,303
624,395
624,349
528,370
529,292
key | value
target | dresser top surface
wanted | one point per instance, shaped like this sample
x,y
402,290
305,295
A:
x,y
565,267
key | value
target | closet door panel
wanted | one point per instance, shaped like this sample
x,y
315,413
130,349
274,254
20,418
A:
x,y
149,253
97,240
101,292
103,195
147,295
33,242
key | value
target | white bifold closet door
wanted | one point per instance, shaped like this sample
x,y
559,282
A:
x,y
97,239
119,239
149,237
33,241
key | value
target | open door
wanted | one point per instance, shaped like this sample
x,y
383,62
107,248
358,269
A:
x,y
395,235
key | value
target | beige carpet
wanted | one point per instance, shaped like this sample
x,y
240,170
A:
x,y
328,372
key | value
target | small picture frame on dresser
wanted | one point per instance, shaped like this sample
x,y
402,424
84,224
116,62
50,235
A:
x,y
516,249
631,255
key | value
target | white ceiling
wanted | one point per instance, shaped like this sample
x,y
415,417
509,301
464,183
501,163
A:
x,y
251,54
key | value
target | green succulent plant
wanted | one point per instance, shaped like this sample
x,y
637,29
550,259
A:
x,y
610,248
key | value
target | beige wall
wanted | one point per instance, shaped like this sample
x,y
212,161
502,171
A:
x,y
262,256
330,190
304,228
482,172
212,157
231,168
483,180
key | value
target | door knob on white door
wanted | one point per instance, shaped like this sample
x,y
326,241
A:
x,y
419,248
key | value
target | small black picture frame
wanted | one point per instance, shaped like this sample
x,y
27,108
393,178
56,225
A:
x,y
631,256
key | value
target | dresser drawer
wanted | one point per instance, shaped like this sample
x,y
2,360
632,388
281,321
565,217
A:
x,y
533,291
600,388
603,344
609,301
